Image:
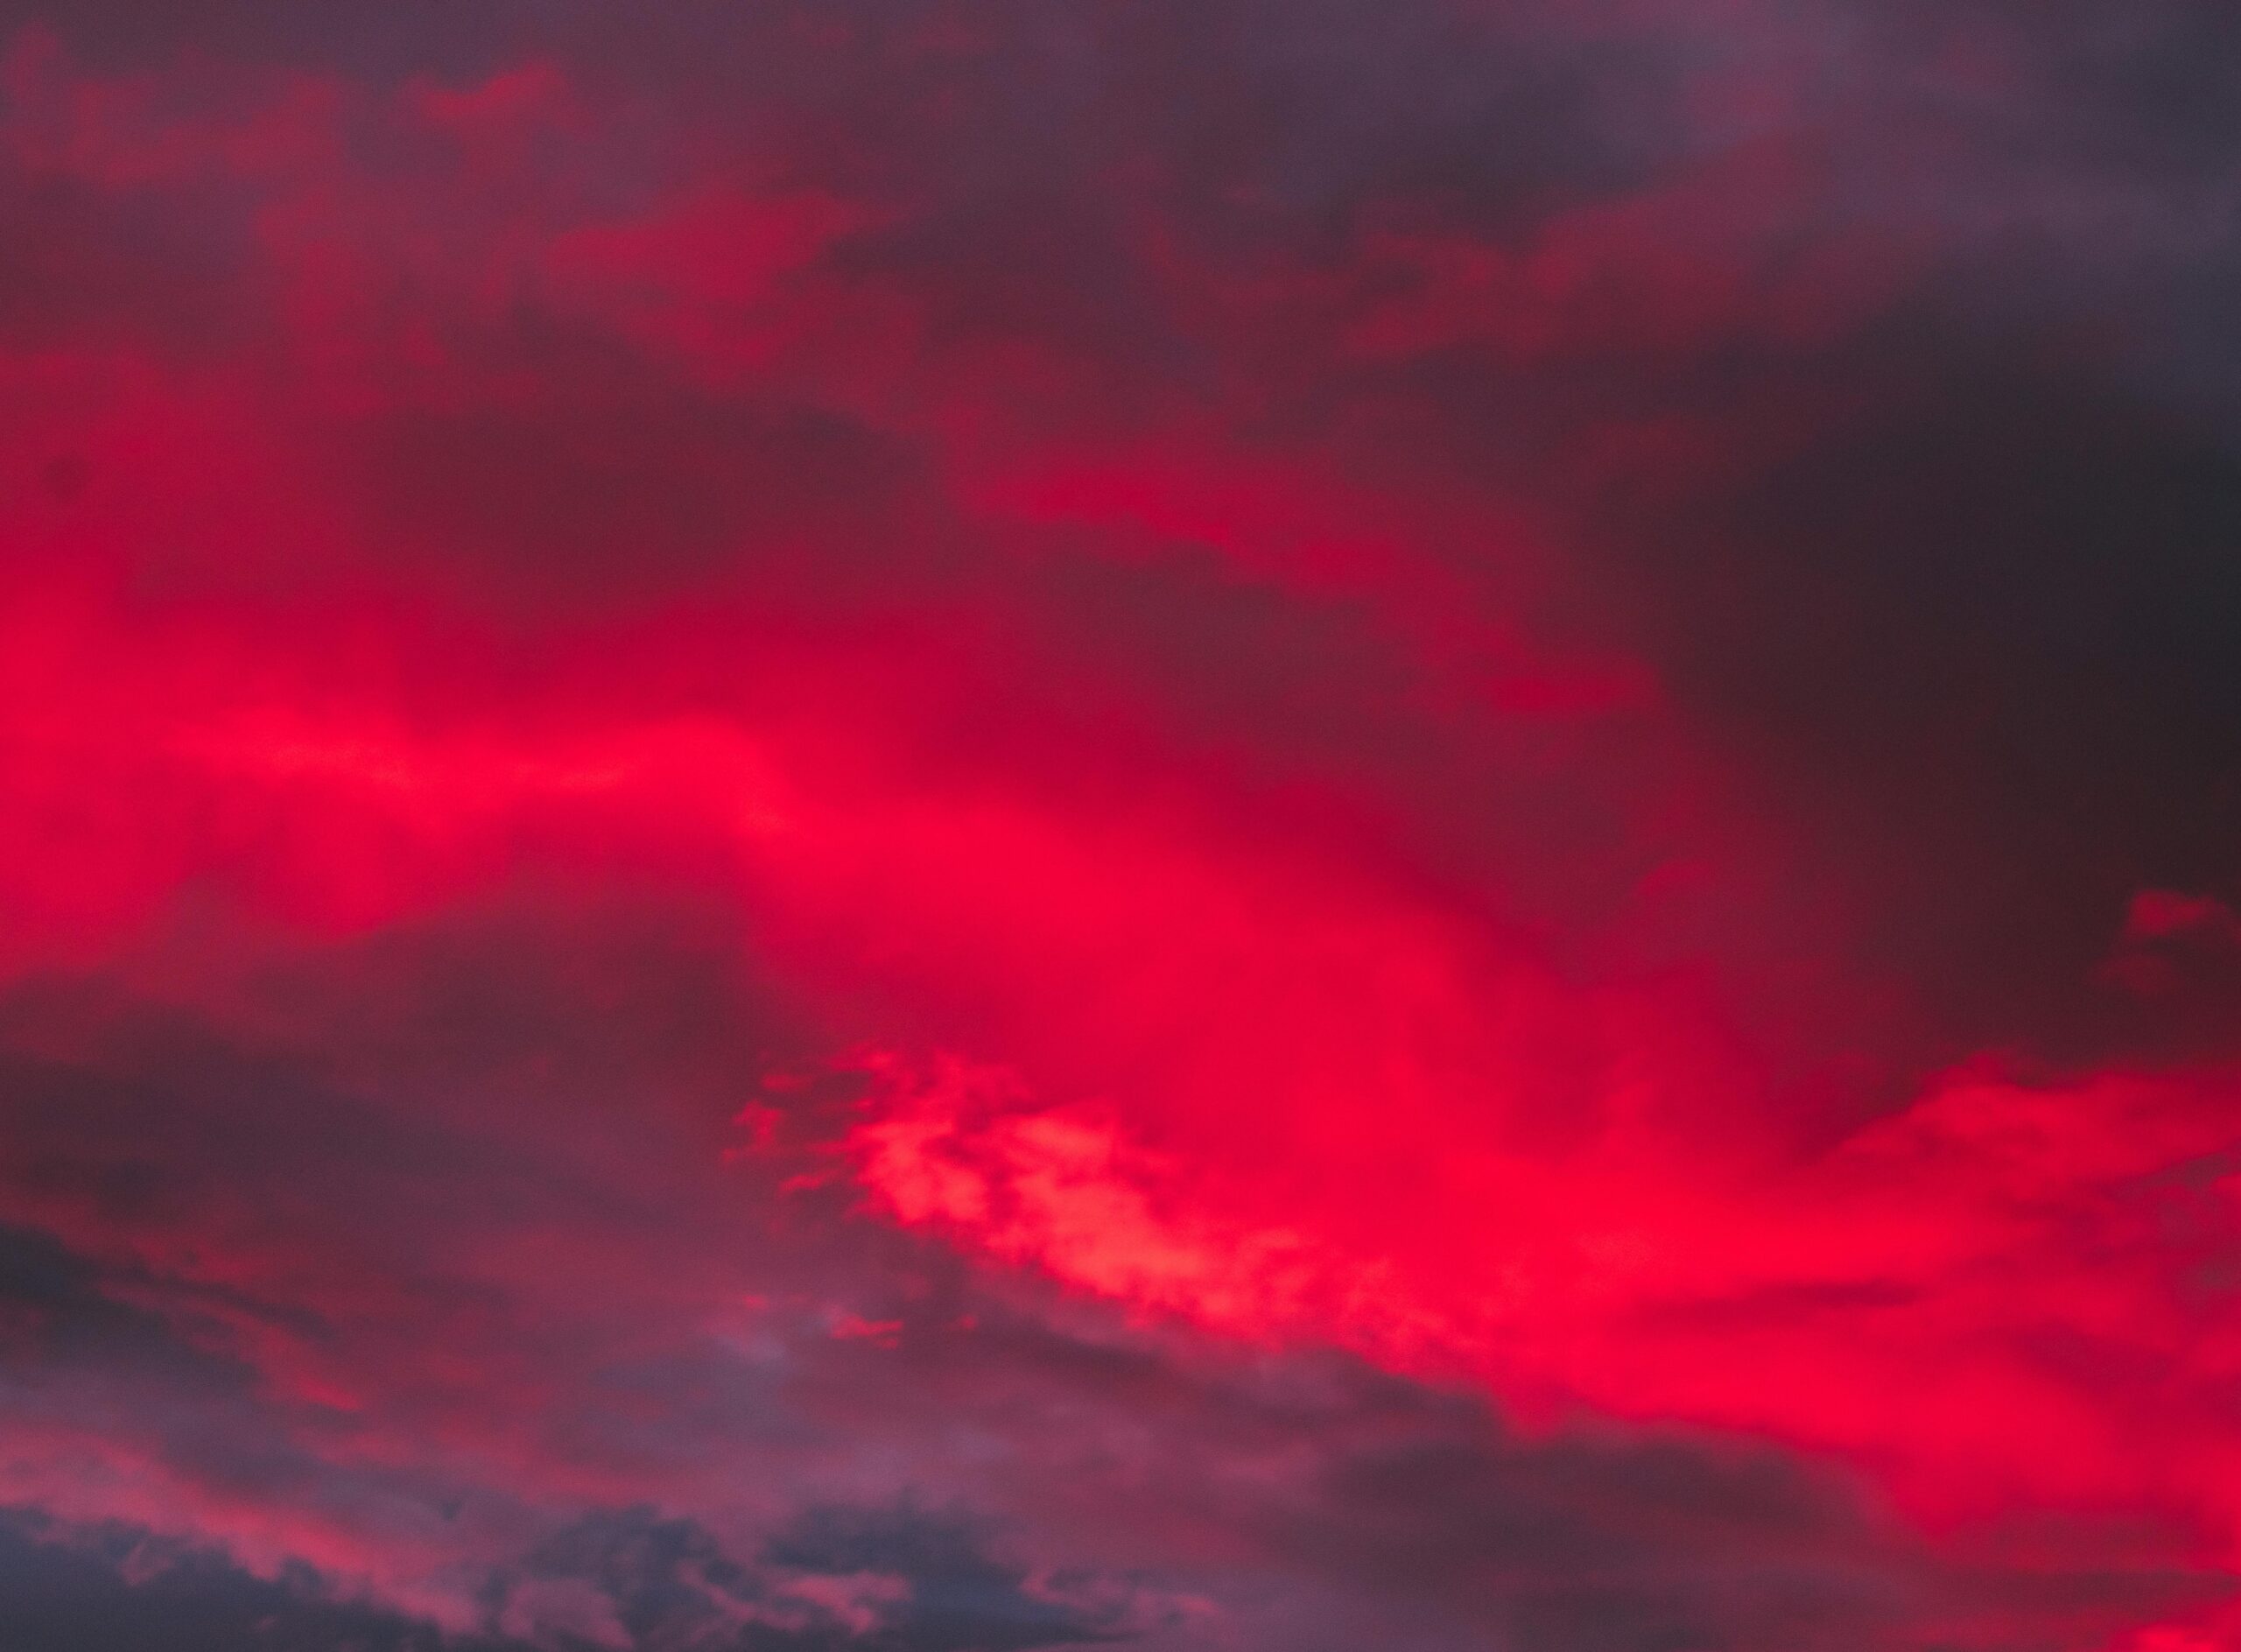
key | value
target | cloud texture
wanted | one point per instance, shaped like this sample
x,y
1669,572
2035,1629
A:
x,y
954,825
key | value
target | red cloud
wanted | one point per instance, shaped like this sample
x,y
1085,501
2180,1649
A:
x,y
1209,696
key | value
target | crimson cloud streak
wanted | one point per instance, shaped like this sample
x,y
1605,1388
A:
x,y
952,826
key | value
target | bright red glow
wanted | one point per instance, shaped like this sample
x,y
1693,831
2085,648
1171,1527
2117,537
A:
x,y
625,687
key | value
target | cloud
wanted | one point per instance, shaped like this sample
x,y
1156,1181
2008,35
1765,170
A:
x,y
118,1589
866,822
358,1358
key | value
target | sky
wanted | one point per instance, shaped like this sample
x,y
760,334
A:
x,y
1211,826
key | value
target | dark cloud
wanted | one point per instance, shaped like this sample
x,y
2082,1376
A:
x,y
144,266
387,41
71,1323
1980,627
899,1580
1579,1546
125,1592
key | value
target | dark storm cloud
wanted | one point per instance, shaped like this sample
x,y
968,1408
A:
x,y
1967,588
125,1592
1580,1546
2140,92
1364,1489
2004,594
925,1586
889,1580
69,1322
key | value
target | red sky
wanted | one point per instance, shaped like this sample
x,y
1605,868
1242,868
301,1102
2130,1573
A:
x,y
965,826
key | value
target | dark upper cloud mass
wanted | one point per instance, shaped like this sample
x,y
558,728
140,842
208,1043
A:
x,y
961,826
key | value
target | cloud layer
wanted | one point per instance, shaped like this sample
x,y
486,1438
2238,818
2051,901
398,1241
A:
x,y
939,825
